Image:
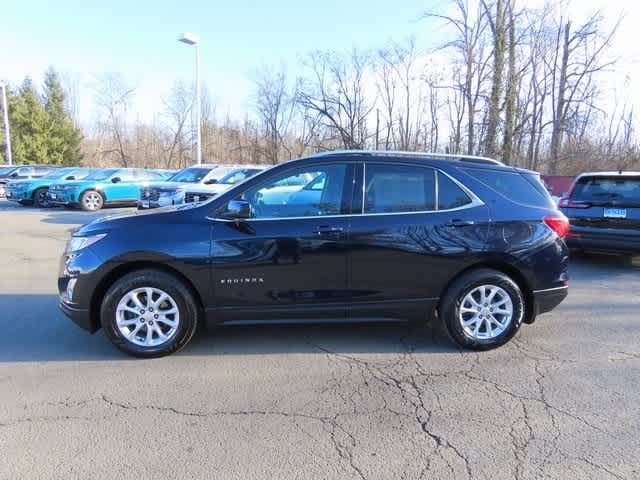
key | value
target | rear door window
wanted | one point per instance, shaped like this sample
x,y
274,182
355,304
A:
x,y
398,188
522,188
612,190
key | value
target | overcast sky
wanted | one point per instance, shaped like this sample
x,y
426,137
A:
x,y
138,39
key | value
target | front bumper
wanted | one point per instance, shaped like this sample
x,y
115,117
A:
x,y
79,316
20,196
61,198
548,299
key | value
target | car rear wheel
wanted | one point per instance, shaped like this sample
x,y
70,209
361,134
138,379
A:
x,y
91,201
483,309
149,313
40,198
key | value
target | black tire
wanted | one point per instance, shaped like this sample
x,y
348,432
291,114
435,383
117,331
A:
x,y
91,201
173,286
451,303
40,198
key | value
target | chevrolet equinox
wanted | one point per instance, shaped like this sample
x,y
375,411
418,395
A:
x,y
466,241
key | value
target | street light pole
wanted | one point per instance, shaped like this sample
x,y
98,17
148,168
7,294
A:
x,y
191,39
7,130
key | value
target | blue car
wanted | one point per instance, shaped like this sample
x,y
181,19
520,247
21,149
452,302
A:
x,y
34,191
110,186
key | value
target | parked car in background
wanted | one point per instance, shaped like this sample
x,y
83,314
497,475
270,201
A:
x,y
604,212
109,186
466,241
34,191
171,191
202,192
22,172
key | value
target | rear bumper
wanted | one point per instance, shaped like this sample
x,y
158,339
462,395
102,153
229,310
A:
x,y
546,300
604,242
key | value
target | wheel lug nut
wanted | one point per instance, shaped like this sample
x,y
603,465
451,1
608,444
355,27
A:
x,y
141,312
155,316
150,322
142,320
150,309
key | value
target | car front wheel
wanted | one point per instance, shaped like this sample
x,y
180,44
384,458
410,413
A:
x,y
91,201
40,198
149,314
483,309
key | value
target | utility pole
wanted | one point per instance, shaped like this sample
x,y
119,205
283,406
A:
x,y
191,39
7,130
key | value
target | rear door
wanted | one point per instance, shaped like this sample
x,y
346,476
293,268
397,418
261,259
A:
x,y
418,226
606,206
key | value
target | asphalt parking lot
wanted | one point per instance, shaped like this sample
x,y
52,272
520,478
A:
x,y
367,401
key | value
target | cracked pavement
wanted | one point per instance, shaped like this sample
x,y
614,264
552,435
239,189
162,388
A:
x,y
364,401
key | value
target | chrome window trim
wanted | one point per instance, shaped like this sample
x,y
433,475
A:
x,y
475,202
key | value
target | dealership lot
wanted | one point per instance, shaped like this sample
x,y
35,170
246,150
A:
x,y
374,401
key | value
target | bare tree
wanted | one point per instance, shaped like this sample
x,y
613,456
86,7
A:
x,y
177,112
275,105
336,92
113,97
581,55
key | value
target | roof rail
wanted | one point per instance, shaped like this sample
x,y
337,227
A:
x,y
435,156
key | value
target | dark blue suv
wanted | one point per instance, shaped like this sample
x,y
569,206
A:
x,y
465,241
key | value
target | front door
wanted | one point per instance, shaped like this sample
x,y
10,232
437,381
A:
x,y
288,260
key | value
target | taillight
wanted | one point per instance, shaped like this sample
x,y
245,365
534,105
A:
x,y
559,224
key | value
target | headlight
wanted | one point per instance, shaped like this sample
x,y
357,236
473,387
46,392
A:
x,y
78,243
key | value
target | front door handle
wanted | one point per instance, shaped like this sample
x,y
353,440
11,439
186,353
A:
x,y
457,222
326,229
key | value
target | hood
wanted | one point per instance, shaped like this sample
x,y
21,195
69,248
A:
x,y
213,188
167,185
164,215
22,181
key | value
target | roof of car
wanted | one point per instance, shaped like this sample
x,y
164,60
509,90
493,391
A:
x,y
423,155
619,173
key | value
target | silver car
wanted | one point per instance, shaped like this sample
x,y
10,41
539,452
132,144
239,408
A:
x,y
200,193
172,191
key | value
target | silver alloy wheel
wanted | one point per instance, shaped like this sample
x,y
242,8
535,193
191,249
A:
x,y
147,316
485,312
92,200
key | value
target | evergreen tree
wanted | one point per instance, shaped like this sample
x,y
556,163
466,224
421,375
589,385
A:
x,y
64,137
29,126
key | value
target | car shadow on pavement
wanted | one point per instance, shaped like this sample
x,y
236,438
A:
x,y
34,330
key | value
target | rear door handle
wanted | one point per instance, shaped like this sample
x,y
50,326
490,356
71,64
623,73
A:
x,y
457,222
325,229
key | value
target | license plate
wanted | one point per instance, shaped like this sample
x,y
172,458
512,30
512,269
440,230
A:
x,y
145,204
196,198
615,212
53,196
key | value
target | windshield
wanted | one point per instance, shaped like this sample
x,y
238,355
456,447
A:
x,y
616,190
102,174
190,175
61,172
238,175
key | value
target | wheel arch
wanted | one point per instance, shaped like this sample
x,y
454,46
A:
x,y
112,276
512,272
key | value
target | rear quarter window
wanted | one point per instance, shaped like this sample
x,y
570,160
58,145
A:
x,y
522,188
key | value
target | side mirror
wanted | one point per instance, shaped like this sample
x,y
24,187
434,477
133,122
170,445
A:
x,y
14,175
115,180
70,178
211,181
237,209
